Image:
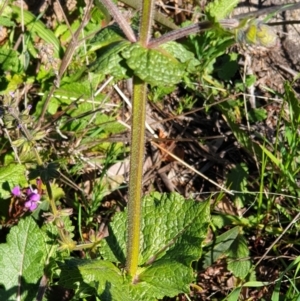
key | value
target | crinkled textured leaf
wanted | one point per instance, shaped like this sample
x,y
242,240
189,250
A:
x,y
110,61
113,248
162,278
182,54
220,9
108,35
156,67
172,232
22,261
183,222
238,253
11,176
91,276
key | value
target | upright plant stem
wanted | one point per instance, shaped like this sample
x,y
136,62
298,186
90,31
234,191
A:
x,y
137,150
146,22
136,173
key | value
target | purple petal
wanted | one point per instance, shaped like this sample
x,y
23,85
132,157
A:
x,y
16,191
34,197
31,205
30,191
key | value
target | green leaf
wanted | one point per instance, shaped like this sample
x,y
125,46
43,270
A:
x,y
91,276
9,60
274,159
220,9
234,295
6,22
35,25
11,176
237,180
181,54
293,101
5,9
256,284
210,45
173,230
46,172
250,80
238,263
156,67
257,115
111,62
175,218
167,249
108,35
220,246
228,66
22,261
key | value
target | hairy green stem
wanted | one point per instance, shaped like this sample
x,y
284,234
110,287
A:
x,y
137,150
48,186
159,17
39,161
146,22
136,173
180,33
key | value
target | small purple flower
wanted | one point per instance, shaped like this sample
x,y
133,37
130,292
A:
x,y
32,199
31,205
16,191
